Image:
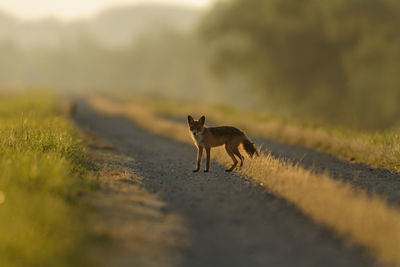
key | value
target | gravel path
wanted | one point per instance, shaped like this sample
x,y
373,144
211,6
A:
x,y
229,221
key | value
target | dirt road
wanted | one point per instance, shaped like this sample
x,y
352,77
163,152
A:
x,y
227,220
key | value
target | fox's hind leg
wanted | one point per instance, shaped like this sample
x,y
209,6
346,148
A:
x,y
237,153
229,150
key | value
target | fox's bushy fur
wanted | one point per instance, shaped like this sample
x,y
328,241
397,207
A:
x,y
207,137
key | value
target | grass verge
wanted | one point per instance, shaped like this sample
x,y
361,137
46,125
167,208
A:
x,y
42,171
379,149
352,214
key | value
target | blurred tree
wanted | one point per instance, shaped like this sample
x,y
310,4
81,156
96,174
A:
x,y
337,60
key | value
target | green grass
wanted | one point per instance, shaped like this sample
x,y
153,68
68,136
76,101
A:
x,y
42,171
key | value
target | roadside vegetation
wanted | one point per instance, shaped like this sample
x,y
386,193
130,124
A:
x,y
365,220
42,172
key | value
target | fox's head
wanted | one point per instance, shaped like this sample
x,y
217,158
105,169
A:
x,y
196,127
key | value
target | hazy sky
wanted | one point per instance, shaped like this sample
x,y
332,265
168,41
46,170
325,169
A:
x,y
69,9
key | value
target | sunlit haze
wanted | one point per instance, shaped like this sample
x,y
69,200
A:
x,y
70,9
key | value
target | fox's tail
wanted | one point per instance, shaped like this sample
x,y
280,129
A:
x,y
249,147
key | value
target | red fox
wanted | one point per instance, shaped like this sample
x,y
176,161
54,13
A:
x,y
208,137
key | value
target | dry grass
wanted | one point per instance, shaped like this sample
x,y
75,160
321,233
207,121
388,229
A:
x,y
379,150
367,221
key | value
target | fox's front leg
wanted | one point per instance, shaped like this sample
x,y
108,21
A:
x,y
208,152
199,156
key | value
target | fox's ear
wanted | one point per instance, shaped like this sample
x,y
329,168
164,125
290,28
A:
x,y
190,120
202,120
